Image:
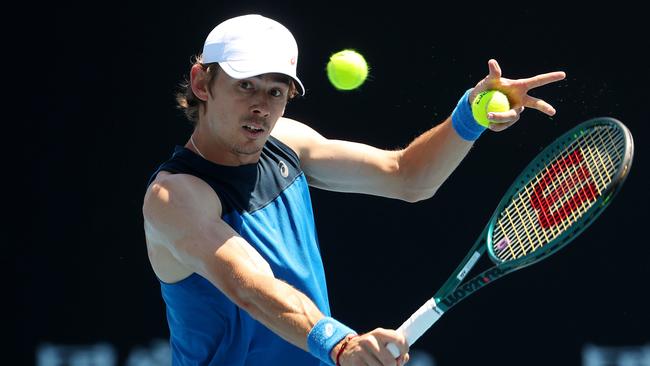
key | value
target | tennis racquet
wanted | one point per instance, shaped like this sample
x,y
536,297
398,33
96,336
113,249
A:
x,y
552,201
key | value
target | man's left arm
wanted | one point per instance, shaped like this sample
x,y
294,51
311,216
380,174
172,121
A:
x,y
410,174
417,171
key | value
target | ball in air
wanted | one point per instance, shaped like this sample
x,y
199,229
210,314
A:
x,y
347,69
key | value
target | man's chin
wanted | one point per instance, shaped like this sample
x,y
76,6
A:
x,y
247,150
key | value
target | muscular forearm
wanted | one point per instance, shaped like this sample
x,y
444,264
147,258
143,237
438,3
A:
x,y
430,159
243,275
280,307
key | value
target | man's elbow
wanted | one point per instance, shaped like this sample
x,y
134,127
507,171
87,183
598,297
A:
x,y
413,196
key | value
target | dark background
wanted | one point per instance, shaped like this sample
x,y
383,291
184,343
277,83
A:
x,y
99,82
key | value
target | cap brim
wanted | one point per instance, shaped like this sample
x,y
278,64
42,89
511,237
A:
x,y
243,70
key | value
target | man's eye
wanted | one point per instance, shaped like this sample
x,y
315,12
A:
x,y
245,85
276,92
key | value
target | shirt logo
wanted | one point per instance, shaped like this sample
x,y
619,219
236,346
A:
x,y
284,169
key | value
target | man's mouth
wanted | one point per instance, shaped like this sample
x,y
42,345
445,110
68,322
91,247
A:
x,y
253,129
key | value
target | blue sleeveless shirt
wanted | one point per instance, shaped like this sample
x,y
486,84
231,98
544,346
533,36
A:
x,y
268,204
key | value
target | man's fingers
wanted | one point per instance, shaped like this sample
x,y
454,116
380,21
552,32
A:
x,y
543,79
396,338
376,343
402,360
503,120
511,115
403,344
494,69
375,354
539,104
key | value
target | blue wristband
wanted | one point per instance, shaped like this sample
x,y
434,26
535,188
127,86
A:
x,y
463,121
326,334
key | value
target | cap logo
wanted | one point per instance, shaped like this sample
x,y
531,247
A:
x,y
293,60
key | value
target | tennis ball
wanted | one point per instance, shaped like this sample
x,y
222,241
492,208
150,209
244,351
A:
x,y
488,101
347,70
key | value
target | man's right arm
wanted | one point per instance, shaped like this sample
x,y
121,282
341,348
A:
x,y
183,213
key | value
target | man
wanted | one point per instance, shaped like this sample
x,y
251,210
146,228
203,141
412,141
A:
x,y
228,218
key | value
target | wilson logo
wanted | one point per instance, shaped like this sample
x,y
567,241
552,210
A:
x,y
579,181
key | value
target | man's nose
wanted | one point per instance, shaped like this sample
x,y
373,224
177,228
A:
x,y
260,104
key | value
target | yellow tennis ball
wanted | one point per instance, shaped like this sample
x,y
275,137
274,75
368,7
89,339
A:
x,y
347,70
489,101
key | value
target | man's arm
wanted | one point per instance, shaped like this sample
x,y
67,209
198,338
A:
x,y
410,174
184,214
416,172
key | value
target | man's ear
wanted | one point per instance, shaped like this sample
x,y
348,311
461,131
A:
x,y
199,82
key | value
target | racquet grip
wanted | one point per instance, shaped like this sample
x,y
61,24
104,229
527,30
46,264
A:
x,y
417,324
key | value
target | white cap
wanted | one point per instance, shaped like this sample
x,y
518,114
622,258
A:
x,y
251,45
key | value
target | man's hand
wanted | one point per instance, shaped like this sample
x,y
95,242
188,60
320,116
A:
x,y
517,92
370,349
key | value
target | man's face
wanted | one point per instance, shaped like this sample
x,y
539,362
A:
x,y
240,113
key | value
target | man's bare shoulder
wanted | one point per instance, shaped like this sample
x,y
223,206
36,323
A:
x,y
297,135
174,207
287,127
175,180
181,193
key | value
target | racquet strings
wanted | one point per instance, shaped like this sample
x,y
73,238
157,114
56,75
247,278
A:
x,y
567,183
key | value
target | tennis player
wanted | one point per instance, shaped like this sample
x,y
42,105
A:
x,y
228,218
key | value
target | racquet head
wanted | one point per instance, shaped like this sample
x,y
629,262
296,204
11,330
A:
x,y
560,193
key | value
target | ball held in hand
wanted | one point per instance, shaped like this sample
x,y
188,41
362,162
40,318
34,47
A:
x,y
347,70
488,101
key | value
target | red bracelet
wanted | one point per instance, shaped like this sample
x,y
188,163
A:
x,y
345,344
